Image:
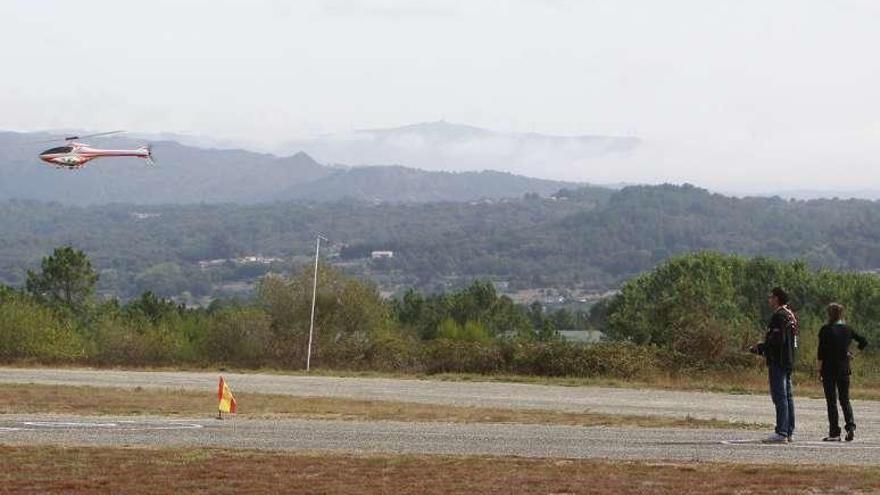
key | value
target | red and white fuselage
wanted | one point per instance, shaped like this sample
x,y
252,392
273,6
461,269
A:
x,y
76,155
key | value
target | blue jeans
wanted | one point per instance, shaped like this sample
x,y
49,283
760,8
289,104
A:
x,y
781,393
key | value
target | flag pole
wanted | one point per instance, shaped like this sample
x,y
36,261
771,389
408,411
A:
x,y
220,398
314,298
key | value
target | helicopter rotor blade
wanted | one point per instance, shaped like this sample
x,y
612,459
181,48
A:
x,y
71,138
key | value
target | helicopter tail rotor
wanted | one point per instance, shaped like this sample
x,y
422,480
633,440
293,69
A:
x,y
149,157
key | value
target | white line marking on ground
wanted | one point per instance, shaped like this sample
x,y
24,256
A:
x,y
803,445
61,424
116,426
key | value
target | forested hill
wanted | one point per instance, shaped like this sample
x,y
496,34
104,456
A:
x,y
191,175
588,238
397,184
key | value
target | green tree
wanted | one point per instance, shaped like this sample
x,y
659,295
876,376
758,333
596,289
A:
x,y
710,307
536,314
564,319
237,335
350,316
66,279
547,331
153,307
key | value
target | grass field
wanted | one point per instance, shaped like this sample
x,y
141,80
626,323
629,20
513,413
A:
x,y
31,398
242,472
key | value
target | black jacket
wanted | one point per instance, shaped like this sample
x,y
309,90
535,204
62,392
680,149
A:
x,y
834,340
779,342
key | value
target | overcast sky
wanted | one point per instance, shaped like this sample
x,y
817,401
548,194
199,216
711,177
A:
x,y
727,94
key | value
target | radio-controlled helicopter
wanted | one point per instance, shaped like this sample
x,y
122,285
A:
x,y
75,155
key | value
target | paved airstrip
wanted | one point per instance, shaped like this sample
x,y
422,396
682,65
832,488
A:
x,y
448,438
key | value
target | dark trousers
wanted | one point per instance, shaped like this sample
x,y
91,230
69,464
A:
x,y
837,387
782,394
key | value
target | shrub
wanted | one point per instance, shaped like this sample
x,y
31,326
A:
x,y
394,351
560,358
453,356
139,342
237,336
31,331
471,331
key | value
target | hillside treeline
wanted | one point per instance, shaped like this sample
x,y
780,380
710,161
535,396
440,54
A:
x,y
694,312
591,239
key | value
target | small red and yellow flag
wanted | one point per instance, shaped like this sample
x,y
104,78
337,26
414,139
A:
x,y
224,395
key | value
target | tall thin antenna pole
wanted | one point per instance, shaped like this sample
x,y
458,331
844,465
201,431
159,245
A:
x,y
314,298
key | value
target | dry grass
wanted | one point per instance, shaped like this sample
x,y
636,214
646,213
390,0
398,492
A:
x,y
31,398
148,471
748,381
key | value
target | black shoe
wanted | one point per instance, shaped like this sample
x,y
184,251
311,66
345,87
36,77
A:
x,y
850,435
831,438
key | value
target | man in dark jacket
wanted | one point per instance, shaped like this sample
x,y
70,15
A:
x,y
778,349
834,370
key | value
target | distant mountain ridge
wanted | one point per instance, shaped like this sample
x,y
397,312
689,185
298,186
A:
x,y
187,175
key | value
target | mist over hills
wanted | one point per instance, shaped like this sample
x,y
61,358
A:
x,y
201,169
188,174
443,145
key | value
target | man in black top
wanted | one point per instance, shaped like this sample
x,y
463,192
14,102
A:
x,y
778,348
834,370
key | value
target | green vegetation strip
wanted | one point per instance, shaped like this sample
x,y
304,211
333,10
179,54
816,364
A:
x,y
29,398
694,315
242,472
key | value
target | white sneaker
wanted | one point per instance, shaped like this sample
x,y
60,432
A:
x,y
775,438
